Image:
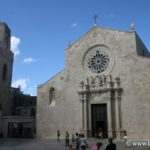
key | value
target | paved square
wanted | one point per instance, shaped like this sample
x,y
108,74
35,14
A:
x,y
49,144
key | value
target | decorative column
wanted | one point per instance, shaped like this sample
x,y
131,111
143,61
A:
x,y
109,117
84,94
81,96
84,129
83,114
117,109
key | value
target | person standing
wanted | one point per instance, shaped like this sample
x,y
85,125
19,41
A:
x,y
125,136
73,139
111,145
100,134
67,139
77,140
58,135
83,142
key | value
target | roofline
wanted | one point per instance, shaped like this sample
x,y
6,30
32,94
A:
x,y
97,27
39,85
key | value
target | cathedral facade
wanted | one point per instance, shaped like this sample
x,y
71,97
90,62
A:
x,y
105,84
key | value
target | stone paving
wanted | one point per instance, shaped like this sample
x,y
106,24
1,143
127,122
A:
x,y
49,144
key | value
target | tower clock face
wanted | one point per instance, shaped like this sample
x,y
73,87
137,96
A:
x,y
97,60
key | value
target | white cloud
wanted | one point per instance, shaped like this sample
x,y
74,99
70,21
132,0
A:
x,y
74,24
15,41
23,83
28,60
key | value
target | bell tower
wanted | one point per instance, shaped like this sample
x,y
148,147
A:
x,y
6,64
4,36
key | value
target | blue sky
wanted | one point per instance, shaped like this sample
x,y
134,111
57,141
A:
x,y
42,29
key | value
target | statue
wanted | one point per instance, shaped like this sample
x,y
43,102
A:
x,y
132,28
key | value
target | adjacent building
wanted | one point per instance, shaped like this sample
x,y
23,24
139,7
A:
x,y
22,121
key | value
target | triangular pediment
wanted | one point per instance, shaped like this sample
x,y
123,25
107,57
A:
x,y
93,31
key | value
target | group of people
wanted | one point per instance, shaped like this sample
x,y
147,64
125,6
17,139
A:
x,y
79,142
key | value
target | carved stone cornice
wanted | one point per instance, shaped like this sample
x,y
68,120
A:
x,y
99,90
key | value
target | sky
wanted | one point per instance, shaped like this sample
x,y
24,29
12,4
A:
x,y
42,29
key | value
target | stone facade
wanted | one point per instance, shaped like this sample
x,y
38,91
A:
x,y
6,62
107,71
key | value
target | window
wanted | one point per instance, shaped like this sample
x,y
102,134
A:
x,y
32,112
0,106
51,95
4,72
98,60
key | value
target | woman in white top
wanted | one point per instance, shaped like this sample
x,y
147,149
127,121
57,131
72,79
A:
x,y
83,142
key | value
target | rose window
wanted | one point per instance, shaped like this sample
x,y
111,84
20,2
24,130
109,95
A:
x,y
98,60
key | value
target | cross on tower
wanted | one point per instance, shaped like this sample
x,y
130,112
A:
x,y
95,17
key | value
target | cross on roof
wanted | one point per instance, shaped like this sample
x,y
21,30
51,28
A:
x,y
95,17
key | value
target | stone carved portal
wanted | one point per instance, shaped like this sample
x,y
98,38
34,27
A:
x,y
100,97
